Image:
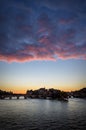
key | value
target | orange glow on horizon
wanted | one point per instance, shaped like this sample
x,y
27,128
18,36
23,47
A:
x,y
19,90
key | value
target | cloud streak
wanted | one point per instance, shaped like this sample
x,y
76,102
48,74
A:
x,y
50,31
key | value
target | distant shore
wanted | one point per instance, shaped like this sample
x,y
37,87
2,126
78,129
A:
x,y
43,93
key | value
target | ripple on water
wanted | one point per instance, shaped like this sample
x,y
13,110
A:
x,y
35,114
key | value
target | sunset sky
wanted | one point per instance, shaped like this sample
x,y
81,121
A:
x,y
42,44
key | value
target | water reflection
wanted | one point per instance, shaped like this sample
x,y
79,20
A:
x,y
42,114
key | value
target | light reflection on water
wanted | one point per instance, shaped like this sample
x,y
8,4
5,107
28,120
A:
x,y
39,114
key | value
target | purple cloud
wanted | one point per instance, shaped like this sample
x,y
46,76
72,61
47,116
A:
x,y
50,31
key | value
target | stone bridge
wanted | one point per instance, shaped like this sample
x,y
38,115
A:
x,y
13,95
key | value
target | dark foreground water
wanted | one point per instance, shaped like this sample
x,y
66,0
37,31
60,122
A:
x,y
38,114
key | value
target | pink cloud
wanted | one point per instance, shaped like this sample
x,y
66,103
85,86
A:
x,y
41,39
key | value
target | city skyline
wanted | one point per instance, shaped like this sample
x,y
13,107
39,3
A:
x,y
42,44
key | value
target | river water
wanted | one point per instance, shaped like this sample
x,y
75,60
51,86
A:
x,y
40,114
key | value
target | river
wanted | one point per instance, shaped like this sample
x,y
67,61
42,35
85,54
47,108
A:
x,y
40,114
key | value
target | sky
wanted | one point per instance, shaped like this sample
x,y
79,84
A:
x,y
42,44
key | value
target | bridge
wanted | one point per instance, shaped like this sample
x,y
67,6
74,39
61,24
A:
x,y
17,96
